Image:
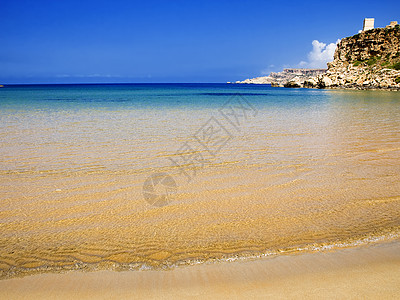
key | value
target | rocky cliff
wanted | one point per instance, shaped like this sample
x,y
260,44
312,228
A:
x,y
368,60
281,78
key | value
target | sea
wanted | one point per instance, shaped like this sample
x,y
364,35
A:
x,y
157,176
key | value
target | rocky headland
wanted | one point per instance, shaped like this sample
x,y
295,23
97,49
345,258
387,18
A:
x,y
287,75
367,60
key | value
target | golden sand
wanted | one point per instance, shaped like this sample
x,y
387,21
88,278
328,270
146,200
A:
x,y
363,273
71,187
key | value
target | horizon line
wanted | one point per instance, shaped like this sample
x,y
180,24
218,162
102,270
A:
x,y
115,83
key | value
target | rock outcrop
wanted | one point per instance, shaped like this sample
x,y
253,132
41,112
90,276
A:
x,y
368,60
285,77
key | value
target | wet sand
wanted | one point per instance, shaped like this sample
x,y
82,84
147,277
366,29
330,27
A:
x,y
365,272
311,170
320,170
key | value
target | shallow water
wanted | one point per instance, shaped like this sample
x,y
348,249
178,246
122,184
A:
x,y
247,171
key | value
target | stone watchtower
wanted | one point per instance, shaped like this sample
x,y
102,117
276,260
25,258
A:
x,y
368,24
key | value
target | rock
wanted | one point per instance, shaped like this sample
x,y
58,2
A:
x,y
257,80
324,82
367,60
281,78
379,42
366,82
310,83
359,81
294,83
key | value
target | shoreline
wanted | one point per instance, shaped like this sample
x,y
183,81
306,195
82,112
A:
x,y
351,88
365,271
114,266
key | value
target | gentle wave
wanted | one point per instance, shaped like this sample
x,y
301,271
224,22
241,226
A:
x,y
86,261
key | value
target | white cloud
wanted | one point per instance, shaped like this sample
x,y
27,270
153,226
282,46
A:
x,y
302,63
320,55
268,70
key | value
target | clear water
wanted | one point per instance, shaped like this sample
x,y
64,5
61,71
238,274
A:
x,y
247,171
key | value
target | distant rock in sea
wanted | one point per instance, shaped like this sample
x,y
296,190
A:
x,y
284,77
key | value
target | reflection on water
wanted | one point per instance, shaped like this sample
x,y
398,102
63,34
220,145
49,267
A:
x,y
311,169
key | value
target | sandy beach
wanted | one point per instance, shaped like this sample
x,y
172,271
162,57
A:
x,y
307,173
364,272
138,162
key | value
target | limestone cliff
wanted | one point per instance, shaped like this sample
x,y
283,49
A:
x,y
368,60
287,75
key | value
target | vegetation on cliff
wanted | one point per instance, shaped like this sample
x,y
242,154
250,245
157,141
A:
x,y
368,60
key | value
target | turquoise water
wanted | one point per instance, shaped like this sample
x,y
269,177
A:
x,y
149,95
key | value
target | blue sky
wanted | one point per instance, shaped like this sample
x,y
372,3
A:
x,y
170,41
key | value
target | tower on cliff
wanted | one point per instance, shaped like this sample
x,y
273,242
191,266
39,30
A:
x,y
368,24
